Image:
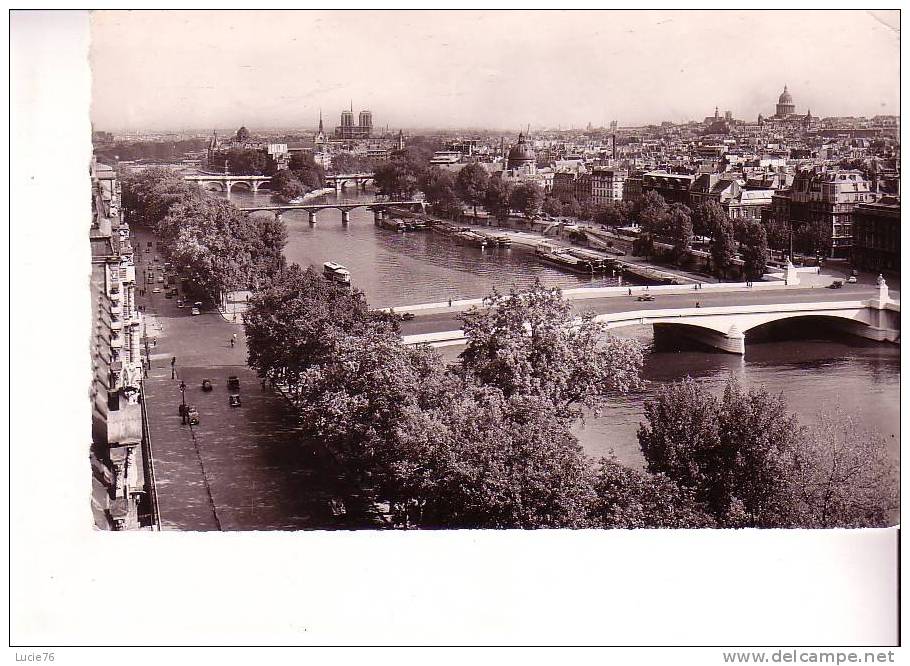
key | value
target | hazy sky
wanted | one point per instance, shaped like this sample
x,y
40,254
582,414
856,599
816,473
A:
x,y
198,70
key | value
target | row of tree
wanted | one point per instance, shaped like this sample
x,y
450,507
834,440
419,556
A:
x,y
487,442
678,225
213,244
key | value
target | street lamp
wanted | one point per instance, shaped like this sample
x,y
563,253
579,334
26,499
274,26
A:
x,y
183,401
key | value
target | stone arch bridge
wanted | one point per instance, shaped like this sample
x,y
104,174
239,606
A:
x,y
727,327
227,182
379,208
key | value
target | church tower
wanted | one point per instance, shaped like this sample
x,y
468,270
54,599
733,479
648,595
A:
x,y
319,140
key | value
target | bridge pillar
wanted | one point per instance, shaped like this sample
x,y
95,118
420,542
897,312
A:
x,y
345,216
338,187
255,185
228,184
312,214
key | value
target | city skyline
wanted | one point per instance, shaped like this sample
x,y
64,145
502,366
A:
x,y
492,65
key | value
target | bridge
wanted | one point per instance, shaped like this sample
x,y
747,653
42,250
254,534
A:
x,y
340,181
379,208
722,320
226,182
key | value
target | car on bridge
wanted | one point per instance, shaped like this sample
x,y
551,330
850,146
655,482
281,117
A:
x,y
837,284
646,297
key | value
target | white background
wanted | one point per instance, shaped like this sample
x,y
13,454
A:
x,y
71,585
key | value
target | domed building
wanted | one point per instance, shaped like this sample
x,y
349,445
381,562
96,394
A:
x,y
243,135
785,105
522,159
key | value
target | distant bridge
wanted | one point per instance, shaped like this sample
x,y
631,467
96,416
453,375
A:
x,y
379,208
226,182
340,181
724,327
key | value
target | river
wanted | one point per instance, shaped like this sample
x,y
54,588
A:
x,y
814,369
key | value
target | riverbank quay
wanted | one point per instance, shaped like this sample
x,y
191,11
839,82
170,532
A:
x,y
241,468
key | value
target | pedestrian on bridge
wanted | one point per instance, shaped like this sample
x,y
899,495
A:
x,y
697,304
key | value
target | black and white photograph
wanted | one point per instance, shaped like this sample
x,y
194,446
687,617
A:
x,y
404,276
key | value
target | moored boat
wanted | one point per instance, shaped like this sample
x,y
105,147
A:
x,y
336,272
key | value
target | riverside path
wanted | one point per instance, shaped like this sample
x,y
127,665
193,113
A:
x,y
241,468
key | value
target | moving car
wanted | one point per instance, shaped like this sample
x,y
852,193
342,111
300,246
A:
x,y
206,385
407,316
233,383
168,294
180,303
851,279
195,311
156,290
646,297
192,415
234,400
837,284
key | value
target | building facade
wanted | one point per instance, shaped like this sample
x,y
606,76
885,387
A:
x,y
825,197
348,131
877,235
120,498
607,186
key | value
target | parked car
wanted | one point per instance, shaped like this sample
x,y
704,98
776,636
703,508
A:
x,y
192,415
851,279
195,311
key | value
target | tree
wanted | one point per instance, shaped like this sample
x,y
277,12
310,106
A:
x,y
243,162
287,185
149,194
649,212
527,198
346,162
754,251
293,323
614,214
679,229
732,453
723,247
210,241
398,177
627,499
498,197
439,189
778,235
531,343
813,237
471,184
843,476
707,217
506,463
552,206
307,171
